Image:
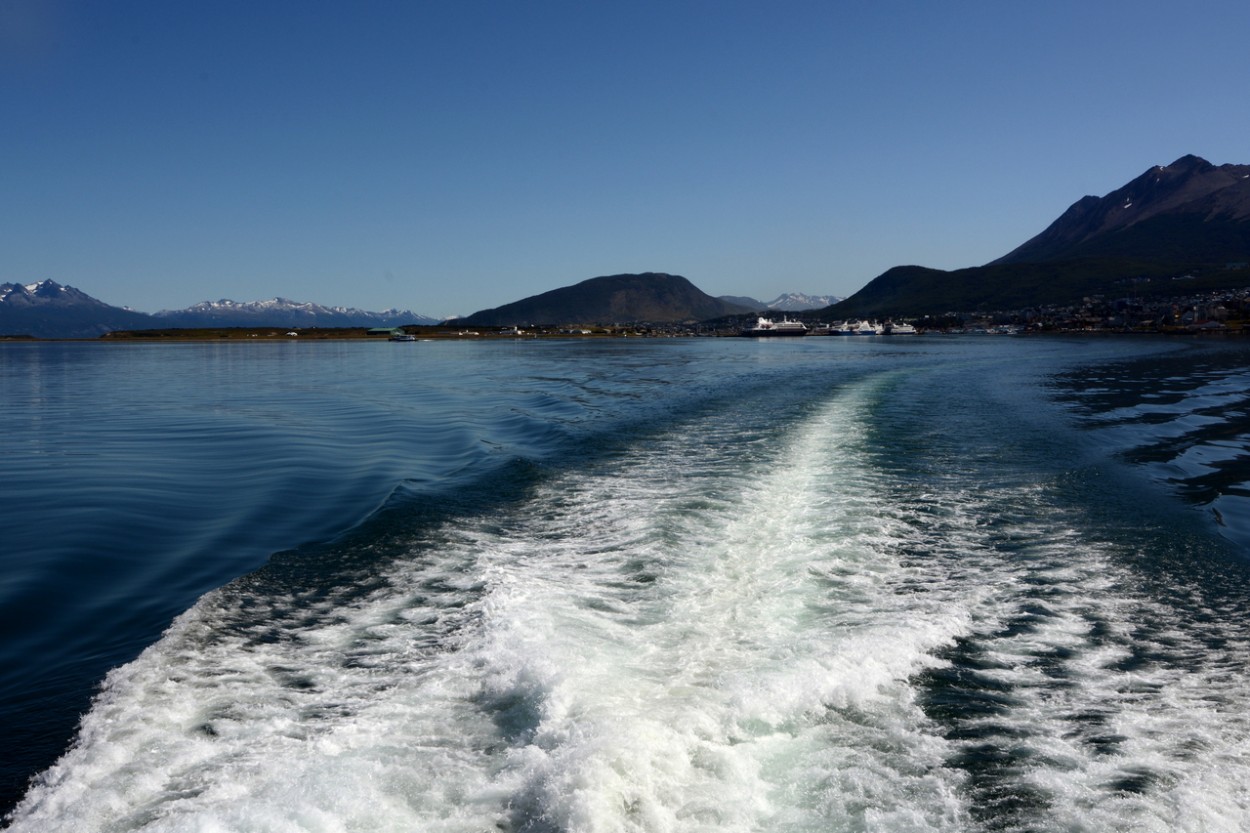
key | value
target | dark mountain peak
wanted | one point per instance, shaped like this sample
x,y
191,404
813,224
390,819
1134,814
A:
x,y
1096,226
49,310
45,293
1187,217
47,289
1165,187
26,290
1188,164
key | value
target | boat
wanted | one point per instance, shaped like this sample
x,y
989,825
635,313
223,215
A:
x,y
903,329
768,327
403,337
867,328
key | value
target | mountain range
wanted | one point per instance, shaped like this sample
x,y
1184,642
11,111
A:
x,y
49,310
786,302
1190,218
283,312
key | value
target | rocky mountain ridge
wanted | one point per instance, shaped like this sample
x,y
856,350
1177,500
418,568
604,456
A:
x,y
284,312
785,302
798,302
1190,219
1191,187
49,310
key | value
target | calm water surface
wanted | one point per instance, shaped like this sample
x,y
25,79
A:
x,y
664,585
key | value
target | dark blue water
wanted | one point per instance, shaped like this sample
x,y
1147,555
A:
x,y
898,584
134,478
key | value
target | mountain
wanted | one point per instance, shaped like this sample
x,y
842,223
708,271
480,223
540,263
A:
x,y
744,301
1187,218
49,310
798,302
1189,210
786,302
282,312
631,298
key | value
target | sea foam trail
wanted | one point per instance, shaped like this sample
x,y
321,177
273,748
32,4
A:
x,y
708,631
1101,684
839,615
1077,703
758,683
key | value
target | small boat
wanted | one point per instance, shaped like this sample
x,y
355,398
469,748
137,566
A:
x,y
768,327
403,337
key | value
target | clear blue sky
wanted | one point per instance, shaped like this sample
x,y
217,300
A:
x,y
451,156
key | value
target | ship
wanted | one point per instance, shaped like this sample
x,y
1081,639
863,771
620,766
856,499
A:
x,y
900,329
866,328
768,327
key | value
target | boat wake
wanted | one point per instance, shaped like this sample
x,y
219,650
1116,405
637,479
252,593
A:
x,y
742,621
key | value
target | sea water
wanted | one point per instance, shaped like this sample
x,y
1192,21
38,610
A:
x,y
888,584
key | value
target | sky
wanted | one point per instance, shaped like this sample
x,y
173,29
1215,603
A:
x,y
446,157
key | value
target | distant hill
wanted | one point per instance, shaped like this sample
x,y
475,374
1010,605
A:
x,y
49,310
282,312
745,301
632,298
1190,217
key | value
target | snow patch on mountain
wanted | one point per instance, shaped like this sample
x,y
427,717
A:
x,y
286,312
797,302
48,310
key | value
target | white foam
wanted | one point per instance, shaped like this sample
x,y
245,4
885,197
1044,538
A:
x,y
636,650
711,630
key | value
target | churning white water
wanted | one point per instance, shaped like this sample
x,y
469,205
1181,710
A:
x,y
707,629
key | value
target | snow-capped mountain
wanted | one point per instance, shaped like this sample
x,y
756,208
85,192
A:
x,y
42,293
49,310
283,312
797,302
789,302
